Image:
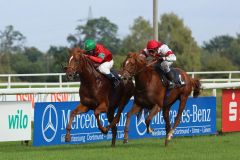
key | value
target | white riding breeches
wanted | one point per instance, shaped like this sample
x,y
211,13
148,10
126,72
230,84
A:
x,y
165,65
105,67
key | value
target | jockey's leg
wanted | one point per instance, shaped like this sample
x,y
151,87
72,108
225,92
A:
x,y
170,74
171,77
105,69
114,79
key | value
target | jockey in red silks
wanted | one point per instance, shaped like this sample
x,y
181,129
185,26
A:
x,y
99,54
165,57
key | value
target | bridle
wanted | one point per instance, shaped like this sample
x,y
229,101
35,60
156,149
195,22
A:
x,y
74,74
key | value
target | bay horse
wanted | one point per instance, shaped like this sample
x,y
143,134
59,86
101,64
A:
x,y
96,92
150,93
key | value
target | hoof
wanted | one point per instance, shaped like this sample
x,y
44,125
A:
x,y
113,145
125,141
166,142
150,130
169,137
67,138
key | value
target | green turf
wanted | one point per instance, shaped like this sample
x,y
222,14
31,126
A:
x,y
222,147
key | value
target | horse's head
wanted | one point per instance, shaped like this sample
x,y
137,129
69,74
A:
x,y
132,66
73,63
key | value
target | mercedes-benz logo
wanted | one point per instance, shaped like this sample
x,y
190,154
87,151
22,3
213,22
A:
x,y
141,122
50,123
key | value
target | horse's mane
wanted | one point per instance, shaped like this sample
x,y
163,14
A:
x,y
88,62
137,57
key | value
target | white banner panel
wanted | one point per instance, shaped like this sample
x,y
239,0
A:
x,y
15,121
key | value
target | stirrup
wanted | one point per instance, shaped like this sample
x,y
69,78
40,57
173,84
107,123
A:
x,y
174,85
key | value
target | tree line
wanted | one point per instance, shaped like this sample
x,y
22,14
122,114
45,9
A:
x,y
221,53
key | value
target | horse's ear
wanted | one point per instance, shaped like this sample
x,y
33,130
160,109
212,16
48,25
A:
x,y
77,56
130,54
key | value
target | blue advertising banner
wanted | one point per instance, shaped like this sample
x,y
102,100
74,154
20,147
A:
x,y
51,119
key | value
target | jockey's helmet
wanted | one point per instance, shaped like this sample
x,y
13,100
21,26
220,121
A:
x,y
152,45
89,45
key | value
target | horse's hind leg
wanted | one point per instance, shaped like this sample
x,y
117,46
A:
x,y
167,121
127,95
152,113
183,100
101,108
135,109
110,116
79,109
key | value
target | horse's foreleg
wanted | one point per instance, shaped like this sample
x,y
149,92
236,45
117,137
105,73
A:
x,y
101,108
135,109
79,109
152,113
167,121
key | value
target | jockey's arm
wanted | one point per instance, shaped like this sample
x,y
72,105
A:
x,y
143,53
166,53
96,59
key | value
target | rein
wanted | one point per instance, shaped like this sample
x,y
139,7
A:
x,y
143,68
148,65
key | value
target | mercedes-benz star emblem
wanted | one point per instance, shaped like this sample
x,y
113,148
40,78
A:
x,y
141,122
49,123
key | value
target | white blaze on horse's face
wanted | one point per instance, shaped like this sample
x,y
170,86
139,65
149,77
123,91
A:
x,y
69,62
126,62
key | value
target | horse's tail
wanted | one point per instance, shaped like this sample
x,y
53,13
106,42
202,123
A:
x,y
196,84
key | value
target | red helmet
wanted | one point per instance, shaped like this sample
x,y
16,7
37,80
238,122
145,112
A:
x,y
152,44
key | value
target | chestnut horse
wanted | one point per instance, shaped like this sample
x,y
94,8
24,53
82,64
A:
x,y
96,93
150,93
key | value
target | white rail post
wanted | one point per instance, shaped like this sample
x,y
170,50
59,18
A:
x,y
9,81
229,77
214,92
60,80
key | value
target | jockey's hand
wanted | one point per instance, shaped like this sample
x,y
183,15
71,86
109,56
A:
x,y
161,59
96,65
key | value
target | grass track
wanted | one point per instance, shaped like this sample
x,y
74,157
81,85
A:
x,y
223,147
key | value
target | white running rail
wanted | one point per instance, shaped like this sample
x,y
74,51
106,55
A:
x,y
10,87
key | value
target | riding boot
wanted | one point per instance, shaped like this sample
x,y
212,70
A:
x,y
114,79
173,82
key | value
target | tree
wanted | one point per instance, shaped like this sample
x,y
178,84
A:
x,y
225,46
219,44
30,60
141,32
58,56
101,30
215,62
11,40
179,38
